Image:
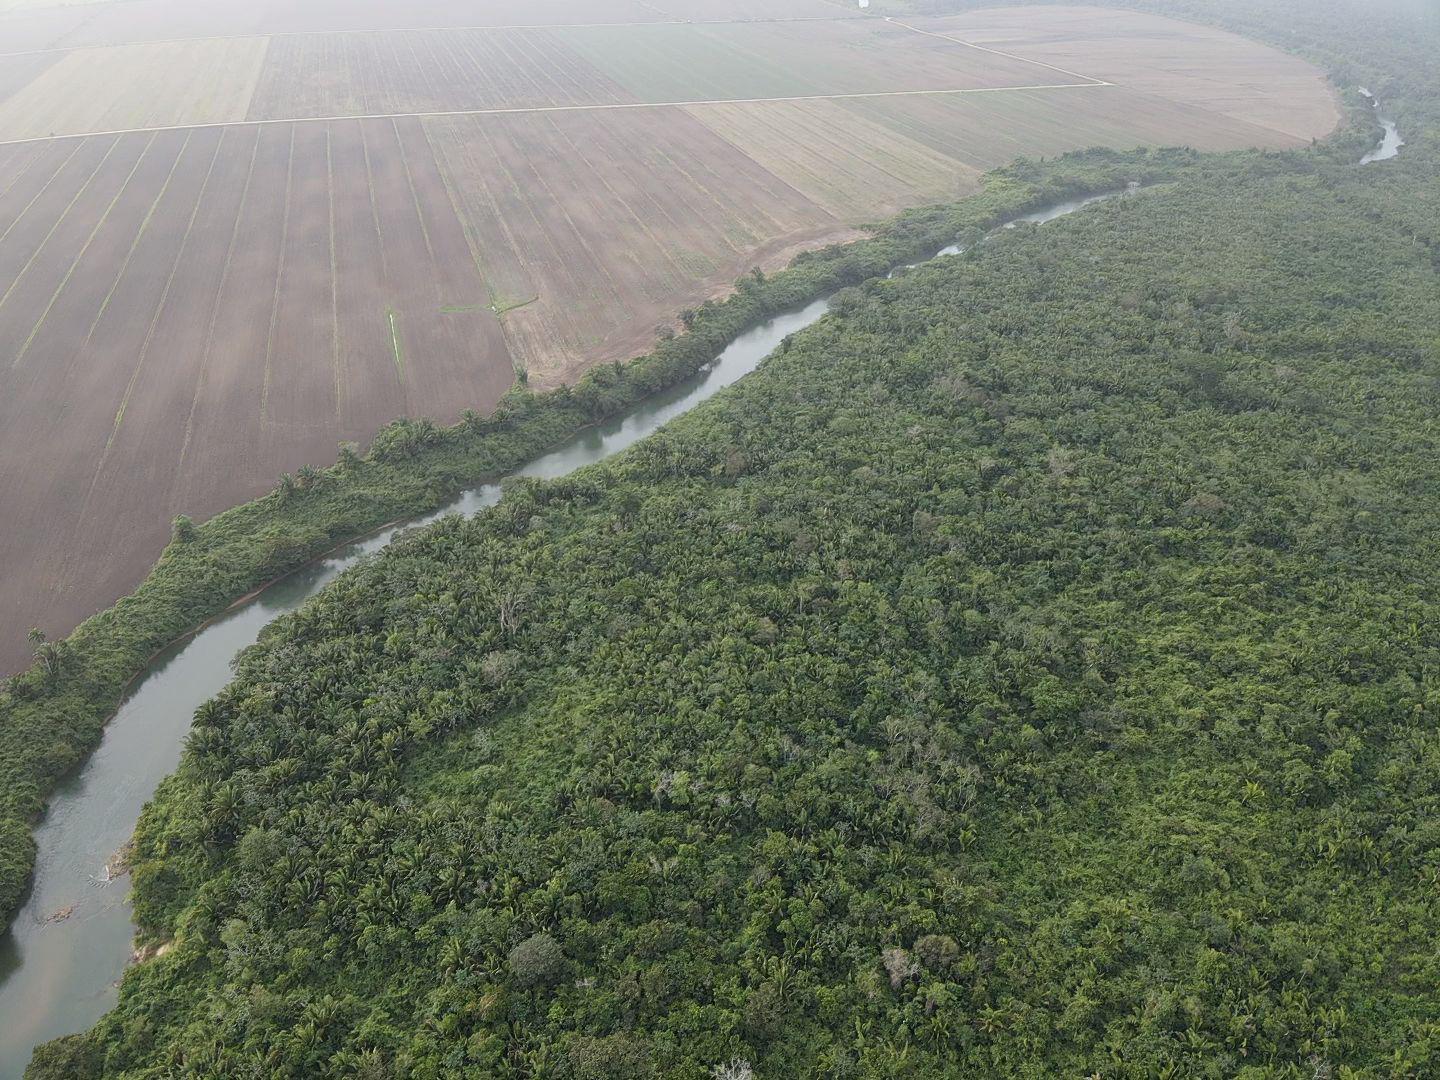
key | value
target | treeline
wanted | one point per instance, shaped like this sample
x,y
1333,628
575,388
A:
x,y
1029,671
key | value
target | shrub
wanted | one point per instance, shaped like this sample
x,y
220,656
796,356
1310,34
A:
x,y
537,961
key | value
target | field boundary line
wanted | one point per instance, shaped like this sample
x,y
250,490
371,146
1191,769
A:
x,y
537,109
996,52
433,30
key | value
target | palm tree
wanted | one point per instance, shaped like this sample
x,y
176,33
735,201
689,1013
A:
x,y
47,653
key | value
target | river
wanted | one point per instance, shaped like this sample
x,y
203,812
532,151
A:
x,y
1390,142
1389,146
59,974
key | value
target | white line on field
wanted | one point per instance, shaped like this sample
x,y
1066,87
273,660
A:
x,y
395,344
536,109
997,52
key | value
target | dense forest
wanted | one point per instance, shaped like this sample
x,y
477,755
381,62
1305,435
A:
x,y
1030,671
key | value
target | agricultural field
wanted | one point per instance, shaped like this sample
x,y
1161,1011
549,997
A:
x,y
852,166
232,236
186,314
589,227
19,71
986,132
42,24
745,61
1197,65
425,71
139,86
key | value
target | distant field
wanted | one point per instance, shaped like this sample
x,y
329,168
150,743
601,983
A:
x,y
758,60
32,5
200,288
425,71
984,132
1205,68
110,23
139,86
